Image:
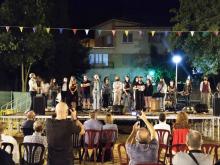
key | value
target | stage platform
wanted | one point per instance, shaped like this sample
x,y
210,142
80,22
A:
x,y
208,124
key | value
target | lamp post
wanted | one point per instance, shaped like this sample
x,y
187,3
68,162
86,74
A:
x,y
176,59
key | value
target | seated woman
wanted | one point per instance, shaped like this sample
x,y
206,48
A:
x,y
180,130
108,137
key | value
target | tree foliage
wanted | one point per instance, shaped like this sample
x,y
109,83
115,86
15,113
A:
x,y
24,49
203,48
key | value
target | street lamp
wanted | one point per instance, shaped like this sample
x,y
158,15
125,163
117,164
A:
x,y
176,59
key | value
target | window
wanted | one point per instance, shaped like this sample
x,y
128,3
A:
x,y
98,59
127,38
109,40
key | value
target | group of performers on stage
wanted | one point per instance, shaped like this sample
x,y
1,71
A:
x,y
136,95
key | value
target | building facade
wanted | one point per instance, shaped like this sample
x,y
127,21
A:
x,y
127,52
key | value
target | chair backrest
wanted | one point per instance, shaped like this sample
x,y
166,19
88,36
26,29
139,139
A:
x,y
92,138
28,153
109,136
180,147
7,147
76,140
162,153
211,149
122,151
163,136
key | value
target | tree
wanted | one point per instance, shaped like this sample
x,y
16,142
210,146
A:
x,y
24,49
203,48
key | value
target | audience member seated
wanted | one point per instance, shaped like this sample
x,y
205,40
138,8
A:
x,y
5,158
37,138
59,135
108,126
92,124
27,126
163,125
180,129
9,139
109,123
141,145
195,156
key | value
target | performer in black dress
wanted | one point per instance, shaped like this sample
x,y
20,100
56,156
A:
x,y
148,92
106,93
73,93
140,94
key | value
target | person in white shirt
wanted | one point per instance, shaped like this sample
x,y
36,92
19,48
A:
x,y
117,91
96,92
64,90
163,125
32,88
9,139
162,90
195,155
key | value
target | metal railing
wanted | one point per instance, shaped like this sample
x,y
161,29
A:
x,y
19,104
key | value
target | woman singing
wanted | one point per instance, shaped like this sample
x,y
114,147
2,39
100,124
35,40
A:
x,y
73,93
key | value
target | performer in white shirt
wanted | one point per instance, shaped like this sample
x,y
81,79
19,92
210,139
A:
x,y
117,91
32,88
96,92
64,90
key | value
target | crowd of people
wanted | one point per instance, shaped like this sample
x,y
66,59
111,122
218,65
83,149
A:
x,y
100,95
141,145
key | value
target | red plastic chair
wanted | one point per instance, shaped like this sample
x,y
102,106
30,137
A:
x,y
108,139
124,160
211,149
93,137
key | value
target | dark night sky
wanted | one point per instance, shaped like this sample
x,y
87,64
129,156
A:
x,y
87,13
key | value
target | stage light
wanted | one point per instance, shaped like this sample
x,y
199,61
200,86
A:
x,y
177,59
152,73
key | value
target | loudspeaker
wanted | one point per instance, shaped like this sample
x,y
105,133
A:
x,y
216,106
201,108
180,106
117,109
39,105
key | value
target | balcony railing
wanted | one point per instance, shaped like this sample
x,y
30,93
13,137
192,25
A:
x,y
110,65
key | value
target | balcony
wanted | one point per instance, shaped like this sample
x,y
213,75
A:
x,y
102,66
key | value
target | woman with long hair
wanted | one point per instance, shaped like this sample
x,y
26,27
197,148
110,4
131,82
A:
x,y
180,130
73,93
127,94
148,92
106,93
